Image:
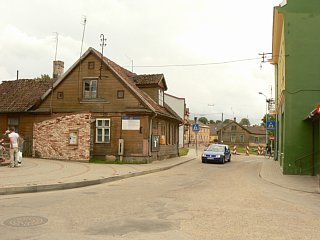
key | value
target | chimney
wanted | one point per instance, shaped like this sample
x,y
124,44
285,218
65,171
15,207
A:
x,y
235,119
58,69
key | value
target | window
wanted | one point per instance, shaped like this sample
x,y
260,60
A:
x,y
13,122
256,139
73,137
233,128
102,130
90,65
60,95
120,94
160,97
90,89
233,138
241,138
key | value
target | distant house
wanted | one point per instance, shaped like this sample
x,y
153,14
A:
x,y
95,109
187,133
214,127
235,134
179,106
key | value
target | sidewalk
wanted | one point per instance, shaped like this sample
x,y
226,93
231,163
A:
x,y
271,172
37,175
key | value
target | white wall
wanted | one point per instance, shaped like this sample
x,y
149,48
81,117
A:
x,y
178,105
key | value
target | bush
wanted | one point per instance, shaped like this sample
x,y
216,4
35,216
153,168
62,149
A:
x,y
183,151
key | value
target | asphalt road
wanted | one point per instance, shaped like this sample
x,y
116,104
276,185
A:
x,y
191,201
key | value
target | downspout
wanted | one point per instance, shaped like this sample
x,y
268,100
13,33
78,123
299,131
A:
x,y
150,136
312,149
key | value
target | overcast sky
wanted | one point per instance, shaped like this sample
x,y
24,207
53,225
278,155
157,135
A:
x,y
153,33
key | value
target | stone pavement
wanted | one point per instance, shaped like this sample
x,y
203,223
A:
x,y
36,175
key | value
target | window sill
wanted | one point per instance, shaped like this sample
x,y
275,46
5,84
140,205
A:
x,y
94,100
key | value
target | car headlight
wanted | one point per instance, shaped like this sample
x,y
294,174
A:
x,y
217,156
203,155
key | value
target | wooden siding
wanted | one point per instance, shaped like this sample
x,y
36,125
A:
x,y
152,92
107,87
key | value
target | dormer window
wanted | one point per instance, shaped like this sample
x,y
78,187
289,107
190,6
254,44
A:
x,y
160,97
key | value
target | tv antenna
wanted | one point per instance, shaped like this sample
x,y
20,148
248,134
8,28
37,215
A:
x,y
84,29
57,40
102,44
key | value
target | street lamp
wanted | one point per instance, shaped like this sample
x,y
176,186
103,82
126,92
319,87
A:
x,y
266,116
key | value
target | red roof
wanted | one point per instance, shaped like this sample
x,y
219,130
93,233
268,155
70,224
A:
x,y
21,95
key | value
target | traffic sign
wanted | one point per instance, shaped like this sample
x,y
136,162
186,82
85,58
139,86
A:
x,y
195,127
271,125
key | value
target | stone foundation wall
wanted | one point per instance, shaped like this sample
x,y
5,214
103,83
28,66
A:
x,y
65,138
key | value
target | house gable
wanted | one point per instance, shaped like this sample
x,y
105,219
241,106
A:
x,y
111,91
113,79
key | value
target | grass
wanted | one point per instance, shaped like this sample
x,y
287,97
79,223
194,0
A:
x,y
253,151
183,151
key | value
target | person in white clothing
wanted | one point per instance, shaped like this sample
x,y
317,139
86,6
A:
x,y
14,148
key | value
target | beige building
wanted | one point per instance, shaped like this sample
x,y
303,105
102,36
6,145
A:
x,y
203,136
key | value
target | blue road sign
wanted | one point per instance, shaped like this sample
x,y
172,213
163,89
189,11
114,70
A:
x,y
195,127
271,125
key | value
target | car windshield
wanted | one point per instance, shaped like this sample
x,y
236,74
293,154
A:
x,y
215,148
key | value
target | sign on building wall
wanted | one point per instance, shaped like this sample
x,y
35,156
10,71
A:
x,y
130,123
155,143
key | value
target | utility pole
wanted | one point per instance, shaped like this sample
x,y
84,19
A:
x,y
266,116
221,134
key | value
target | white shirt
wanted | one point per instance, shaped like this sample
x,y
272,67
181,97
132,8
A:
x,y
14,139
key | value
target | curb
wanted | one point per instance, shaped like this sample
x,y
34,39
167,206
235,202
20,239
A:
x,y
85,183
317,191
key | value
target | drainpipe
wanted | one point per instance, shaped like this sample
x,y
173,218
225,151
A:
x,y
312,150
150,135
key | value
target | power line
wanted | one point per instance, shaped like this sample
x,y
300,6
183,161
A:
x,y
263,59
195,64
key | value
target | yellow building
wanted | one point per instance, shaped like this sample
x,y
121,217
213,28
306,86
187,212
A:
x,y
203,135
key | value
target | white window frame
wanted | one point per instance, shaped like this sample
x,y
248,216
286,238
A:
x,y
101,130
91,93
161,97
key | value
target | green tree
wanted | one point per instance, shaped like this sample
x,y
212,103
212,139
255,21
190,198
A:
x,y
43,77
226,121
218,121
270,118
211,122
203,120
244,122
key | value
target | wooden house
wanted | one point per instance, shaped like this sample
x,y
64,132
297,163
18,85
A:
x,y
235,134
127,116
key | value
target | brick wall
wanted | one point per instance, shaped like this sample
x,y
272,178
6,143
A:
x,y
51,138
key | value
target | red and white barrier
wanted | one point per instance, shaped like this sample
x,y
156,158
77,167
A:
x,y
247,151
235,149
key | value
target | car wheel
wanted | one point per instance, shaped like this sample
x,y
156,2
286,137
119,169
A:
x,y
203,161
222,160
229,158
